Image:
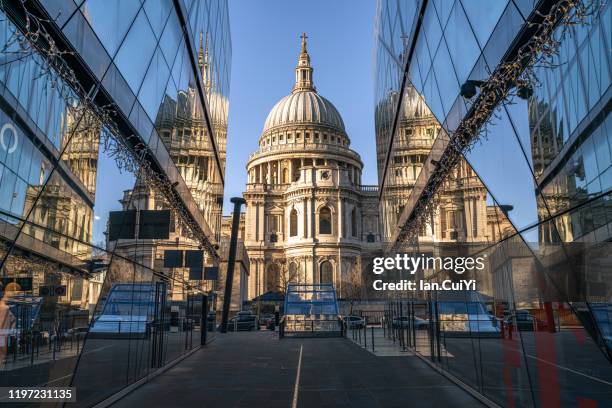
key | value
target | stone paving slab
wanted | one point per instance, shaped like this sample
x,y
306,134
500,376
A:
x,y
256,369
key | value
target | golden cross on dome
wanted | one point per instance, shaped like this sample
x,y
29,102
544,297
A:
x,y
303,37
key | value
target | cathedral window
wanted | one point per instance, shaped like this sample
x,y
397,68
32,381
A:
x,y
273,223
354,222
326,272
293,223
325,221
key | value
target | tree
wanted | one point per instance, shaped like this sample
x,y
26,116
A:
x,y
286,275
352,285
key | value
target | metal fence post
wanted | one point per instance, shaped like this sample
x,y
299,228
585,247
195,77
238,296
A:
x,y
372,338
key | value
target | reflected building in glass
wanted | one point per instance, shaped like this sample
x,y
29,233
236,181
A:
x,y
79,307
532,194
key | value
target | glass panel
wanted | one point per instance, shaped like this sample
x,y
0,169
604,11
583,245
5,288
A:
x,y
463,48
501,164
152,91
136,51
483,16
110,20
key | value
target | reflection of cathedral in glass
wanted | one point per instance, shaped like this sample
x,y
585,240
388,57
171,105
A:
x,y
463,213
308,218
182,127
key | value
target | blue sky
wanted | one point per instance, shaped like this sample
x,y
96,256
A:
x,y
265,48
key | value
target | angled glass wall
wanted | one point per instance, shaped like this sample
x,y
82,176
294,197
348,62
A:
x,y
84,305
532,195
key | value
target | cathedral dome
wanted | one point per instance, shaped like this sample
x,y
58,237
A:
x,y
304,107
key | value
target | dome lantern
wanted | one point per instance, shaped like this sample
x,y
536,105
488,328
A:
x,y
303,71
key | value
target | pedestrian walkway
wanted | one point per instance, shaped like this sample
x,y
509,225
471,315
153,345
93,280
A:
x,y
256,369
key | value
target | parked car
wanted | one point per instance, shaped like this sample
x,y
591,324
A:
x,y
354,322
265,319
243,321
75,333
403,322
467,319
522,320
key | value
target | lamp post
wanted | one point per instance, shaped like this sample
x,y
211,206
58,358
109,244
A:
x,y
231,261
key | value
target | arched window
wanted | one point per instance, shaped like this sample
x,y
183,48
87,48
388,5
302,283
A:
x,y
326,272
325,221
293,223
354,222
285,175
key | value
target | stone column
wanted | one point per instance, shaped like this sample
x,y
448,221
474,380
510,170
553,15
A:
x,y
313,226
340,218
306,219
262,222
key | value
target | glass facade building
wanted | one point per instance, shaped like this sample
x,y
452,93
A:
x,y
532,194
79,307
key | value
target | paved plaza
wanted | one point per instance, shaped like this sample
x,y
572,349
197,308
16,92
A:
x,y
258,370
